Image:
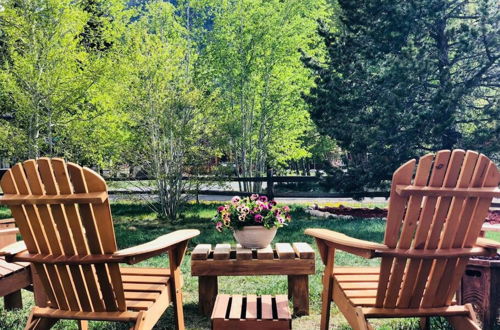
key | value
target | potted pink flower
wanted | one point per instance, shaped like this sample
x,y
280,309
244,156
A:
x,y
254,220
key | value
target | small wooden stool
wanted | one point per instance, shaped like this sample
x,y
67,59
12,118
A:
x,y
251,312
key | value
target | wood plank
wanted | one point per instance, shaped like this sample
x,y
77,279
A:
x,y
14,282
207,293
298,289
357,278
303,250
415,312
221,251
86,287
242,253
340,270
145,271
43,230
397,206
253,267
145,279
99,237
266,307
452,171
285,251
81,198
93,316
251,311
138,305
145,287
360,293
364,302
488,178
201,252
404,190
282,307
423,228
359,285
236,305
265,253
134,295
57,231
457,222
95,183
220,308
408,228
8,185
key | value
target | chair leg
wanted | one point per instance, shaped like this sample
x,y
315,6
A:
x,y
424,323
326,295
139,324
175,256
83,325
13,300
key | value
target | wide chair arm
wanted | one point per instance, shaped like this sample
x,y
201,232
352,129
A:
x,y
487,243
12,249
156,247
9,231
343,242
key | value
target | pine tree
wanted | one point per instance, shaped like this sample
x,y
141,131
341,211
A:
x,y
402,78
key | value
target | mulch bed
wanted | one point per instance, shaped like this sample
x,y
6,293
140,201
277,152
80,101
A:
x,y
493,216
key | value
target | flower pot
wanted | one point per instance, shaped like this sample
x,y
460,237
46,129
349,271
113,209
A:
x,y
255,237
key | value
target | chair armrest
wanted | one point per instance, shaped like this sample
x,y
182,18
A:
x,y
343,242
7,221
13,249
487,243
9,231
156,247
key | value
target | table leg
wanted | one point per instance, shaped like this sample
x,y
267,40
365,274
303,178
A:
x,y
298,290
13,300
207,292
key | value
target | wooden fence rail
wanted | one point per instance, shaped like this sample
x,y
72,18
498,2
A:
x,y
269,179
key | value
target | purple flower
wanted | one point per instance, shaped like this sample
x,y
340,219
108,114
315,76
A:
x,y
263,199
218,226
221,208
258,218
272,203
235,200
280,219
285,208
254,197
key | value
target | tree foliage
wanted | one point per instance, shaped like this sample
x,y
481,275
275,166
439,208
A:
x,y
251,56
402,78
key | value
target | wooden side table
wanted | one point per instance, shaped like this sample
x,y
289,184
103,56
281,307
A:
x,y
296,260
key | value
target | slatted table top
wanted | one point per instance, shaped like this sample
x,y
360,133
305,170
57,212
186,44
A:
x,y
224,259
8,268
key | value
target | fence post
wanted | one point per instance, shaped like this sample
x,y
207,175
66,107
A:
x,y
270,183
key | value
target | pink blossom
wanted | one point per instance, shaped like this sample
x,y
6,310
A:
x,y
218,226
258,218
235,200
286,208
263,199
272,203
280,219
221,208
254,197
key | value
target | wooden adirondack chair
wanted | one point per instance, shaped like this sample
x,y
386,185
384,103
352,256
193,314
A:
x,y
432,229
62,211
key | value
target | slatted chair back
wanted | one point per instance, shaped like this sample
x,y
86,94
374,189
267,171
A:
x,y
439,204
62,209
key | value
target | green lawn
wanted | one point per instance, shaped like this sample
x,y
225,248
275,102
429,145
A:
x,y
135,224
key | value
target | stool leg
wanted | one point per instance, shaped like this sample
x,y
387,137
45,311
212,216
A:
x,y
207,293
298,289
